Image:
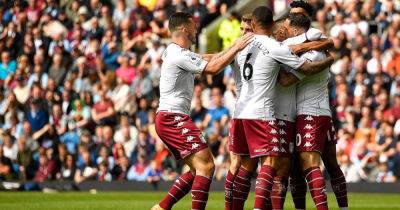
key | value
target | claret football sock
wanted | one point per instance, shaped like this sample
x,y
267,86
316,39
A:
x,y
264,183
278,193
316,184
230,178
179,189
338,183
200,188
241,188
298,188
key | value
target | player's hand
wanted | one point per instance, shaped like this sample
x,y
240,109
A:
x,y
243,41
296,49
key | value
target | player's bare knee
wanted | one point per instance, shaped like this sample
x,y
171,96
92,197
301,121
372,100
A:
x,y
235,164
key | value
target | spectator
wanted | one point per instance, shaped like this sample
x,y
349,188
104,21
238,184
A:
x,y
7,65
87,171
47,169
126,135
103,111
120,170
140,170
67,171
6,168
37,117
229,30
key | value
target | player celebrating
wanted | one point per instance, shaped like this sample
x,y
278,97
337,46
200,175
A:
x,y
173,124
338,181
286,101
234,199
254,130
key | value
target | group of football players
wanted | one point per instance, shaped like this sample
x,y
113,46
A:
x,y
281,121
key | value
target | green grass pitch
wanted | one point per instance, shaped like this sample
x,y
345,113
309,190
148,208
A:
x,y
145,200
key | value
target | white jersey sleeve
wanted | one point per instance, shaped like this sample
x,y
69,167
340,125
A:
x,y
314,34
285,56
191,62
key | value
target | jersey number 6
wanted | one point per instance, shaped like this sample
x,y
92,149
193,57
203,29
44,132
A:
x,y
247,68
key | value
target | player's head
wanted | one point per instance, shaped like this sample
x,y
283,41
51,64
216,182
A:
x,y
245,25
297,23
280,31
182,24
262,18
301,6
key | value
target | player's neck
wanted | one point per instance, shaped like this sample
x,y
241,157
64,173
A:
x,y
263,31
181,41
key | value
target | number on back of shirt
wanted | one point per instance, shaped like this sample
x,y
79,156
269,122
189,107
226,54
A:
x,y
247,68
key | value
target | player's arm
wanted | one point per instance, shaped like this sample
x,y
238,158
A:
x,y
319,45
285,56
286,79
220,60
311,68
196,63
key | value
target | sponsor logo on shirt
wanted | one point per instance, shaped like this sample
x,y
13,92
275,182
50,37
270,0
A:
x,y
281,123
307,135
274,140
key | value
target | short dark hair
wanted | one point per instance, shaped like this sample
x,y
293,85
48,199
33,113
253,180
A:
x,y
263,16
178,19
304,5
299,20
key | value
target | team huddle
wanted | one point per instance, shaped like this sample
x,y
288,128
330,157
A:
x,y
281,121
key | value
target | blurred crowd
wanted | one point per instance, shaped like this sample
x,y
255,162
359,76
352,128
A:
x,y
79,88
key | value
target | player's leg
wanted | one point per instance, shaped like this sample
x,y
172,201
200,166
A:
x,y
279,187
230,178
203,163
243,182
179,189
184,141
287,138
298,184
338,181
315,180
238,150
310,140
264,182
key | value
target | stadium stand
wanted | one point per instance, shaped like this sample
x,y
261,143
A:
x,y
79,88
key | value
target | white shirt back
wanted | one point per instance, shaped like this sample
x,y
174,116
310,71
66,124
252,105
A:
x,y
177,78
259,64
312,92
